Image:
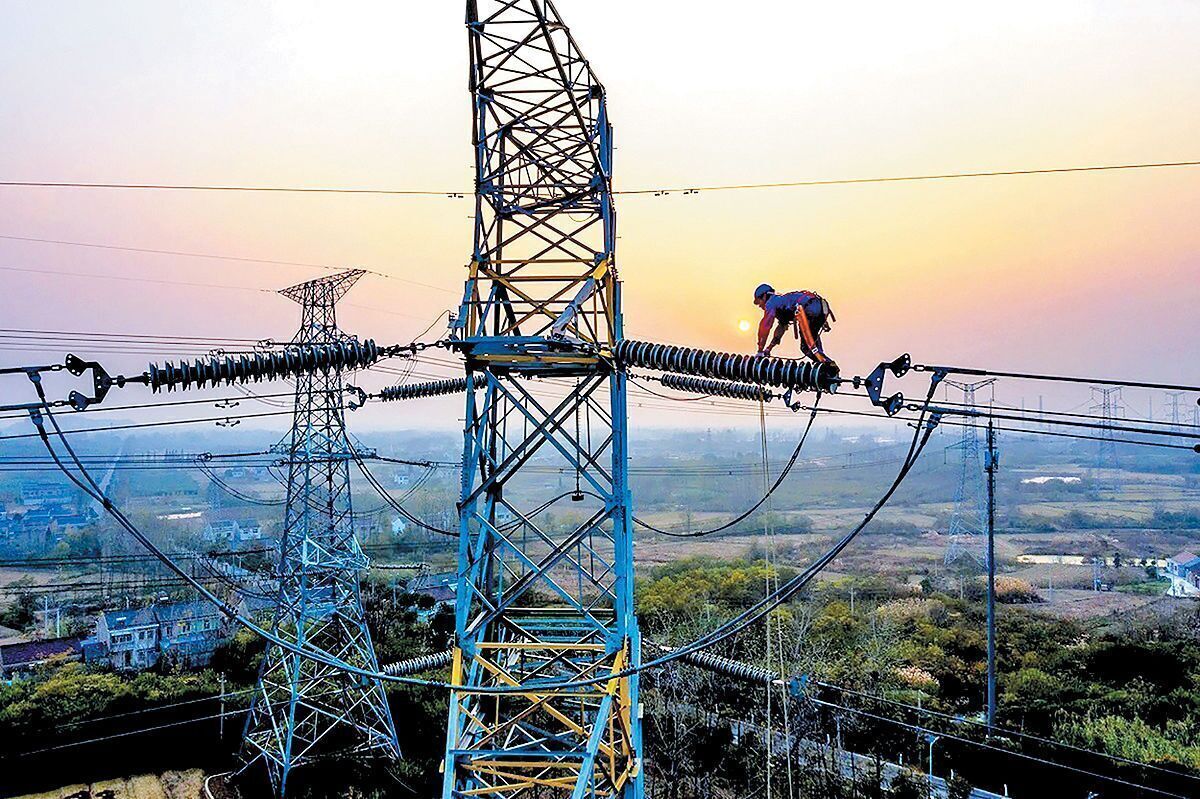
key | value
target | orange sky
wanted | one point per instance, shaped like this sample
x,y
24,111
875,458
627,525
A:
x,y
1089,274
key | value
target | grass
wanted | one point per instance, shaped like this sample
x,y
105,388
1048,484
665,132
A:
x,y
1148,588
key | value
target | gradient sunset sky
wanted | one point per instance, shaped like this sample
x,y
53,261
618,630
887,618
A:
x,y
1092,274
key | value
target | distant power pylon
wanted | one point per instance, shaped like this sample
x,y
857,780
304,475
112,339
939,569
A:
x,y
1108,403
1173,410
968,524
300,703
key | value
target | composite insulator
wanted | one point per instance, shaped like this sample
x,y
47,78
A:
x,y
455,385
766,371
418,664
717,388
258,366
730,668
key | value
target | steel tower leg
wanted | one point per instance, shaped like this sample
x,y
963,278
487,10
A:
x,y
542,600
301,706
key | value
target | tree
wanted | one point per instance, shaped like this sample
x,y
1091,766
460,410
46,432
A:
x,y
909,784
958,787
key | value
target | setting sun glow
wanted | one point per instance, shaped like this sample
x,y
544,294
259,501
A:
x,y
743,325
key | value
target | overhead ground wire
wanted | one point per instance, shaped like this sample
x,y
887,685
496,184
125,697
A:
x,y
458,193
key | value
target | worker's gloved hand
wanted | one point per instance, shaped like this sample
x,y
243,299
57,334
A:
x,y
831,367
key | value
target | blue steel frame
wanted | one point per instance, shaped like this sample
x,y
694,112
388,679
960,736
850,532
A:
x,y
540,602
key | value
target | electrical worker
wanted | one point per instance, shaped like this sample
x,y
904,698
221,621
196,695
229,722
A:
x,y
808,314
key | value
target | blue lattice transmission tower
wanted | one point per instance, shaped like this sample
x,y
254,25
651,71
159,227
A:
x,y
968,523
302,707
538,603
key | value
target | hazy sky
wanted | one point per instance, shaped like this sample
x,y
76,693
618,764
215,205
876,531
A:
x,y
1088,274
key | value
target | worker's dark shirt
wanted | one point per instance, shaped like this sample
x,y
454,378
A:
x,y
780,308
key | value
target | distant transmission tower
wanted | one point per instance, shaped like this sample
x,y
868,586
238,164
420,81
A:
x,y
300,703
968,524
1108,403
1173,410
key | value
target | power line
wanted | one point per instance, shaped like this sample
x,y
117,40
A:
x,y
1021,755
127,733
1004,731
457,194
126,278
134,336
964,370
912,178
146,406
721,633
184,284
144,425
217,257
770,489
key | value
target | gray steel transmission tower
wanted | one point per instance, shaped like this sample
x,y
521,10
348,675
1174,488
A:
x,y
1108,402
301,705
968,524
1174,413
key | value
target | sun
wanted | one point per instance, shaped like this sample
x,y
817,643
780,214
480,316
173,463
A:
x,y
743,325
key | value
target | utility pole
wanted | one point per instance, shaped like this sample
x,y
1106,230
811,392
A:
x,y
221,718
991,463
932,740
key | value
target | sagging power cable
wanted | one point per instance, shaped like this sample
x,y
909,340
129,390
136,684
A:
x,y
390,500
758,504
764,606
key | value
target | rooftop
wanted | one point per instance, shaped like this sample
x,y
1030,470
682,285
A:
x,y
1186,558
132,617
28,653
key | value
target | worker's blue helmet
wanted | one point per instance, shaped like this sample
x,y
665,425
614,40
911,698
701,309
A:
x,y
762,291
